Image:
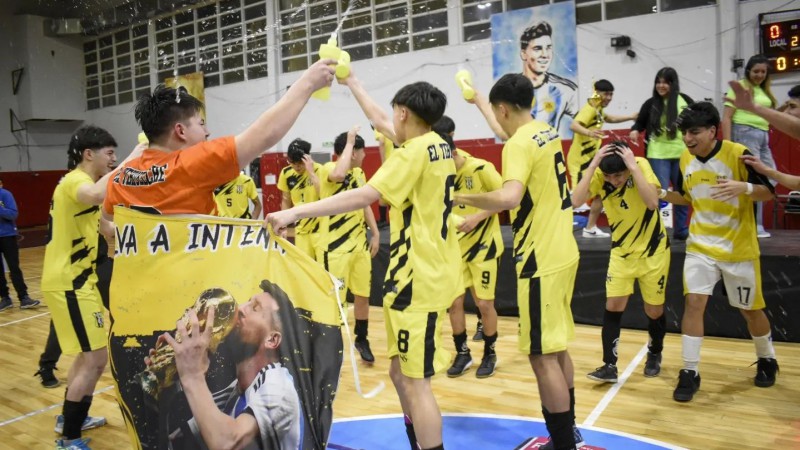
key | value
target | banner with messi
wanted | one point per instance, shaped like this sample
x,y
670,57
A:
x,y
254,349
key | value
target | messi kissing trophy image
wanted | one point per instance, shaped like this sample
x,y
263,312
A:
x,y
161,372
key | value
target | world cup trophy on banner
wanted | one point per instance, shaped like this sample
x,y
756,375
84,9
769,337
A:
x,y
161,371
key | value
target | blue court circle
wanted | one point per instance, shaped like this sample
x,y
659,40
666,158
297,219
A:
x,y
468,431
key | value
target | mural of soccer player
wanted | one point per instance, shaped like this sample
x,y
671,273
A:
x,y
260,409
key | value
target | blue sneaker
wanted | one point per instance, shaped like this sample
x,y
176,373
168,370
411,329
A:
x,y
88,424
75,444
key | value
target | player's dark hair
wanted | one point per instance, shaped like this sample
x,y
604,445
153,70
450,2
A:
x,y
91,137
670,76
613,163
533,32
603,86
444,125
156,113
423,99
298,148
700,114
447,138
514,89
765,85
341,142
794,92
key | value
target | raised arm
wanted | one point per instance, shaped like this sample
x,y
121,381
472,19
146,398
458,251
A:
x,y
345,161
337,204
782,121
580,194
486,109
376,115
274,123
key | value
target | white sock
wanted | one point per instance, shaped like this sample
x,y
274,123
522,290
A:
x,y
764,348
691,351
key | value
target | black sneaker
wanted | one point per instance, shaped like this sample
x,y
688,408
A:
x,y
579,442
653,365
462,362
28,303
49,380
479,332
365,351
607,373
5,303
487,367
766,369
688,384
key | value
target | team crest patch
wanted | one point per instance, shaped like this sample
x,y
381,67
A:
x,y
239,189
98,319
468,182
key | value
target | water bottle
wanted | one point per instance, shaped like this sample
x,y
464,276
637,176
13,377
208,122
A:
x,y
464,80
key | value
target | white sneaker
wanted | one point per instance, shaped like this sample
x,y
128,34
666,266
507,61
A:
x,y
761,232
594,233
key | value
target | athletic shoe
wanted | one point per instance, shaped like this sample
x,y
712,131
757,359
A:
x,y
479,332
652,367
77,444
462,362
688,384
88,423
579,442
487,367
365,351
762,233
5,303
49,380
607,373
28,303
766,369
594,233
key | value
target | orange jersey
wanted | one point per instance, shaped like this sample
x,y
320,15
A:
x,y
179,182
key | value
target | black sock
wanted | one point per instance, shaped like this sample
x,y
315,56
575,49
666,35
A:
x,y
461,342
381,214
611,326
412,437
559,425
480,317
572,402
488,344
361,329
657,329
438,447
74,415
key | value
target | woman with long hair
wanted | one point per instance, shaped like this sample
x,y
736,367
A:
x,y
748,129
663,140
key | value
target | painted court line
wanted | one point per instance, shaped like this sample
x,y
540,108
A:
x,y
604,402
45,409
23,320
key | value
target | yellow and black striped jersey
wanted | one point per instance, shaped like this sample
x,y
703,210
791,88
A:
x,y
484,242
424,258
70,257
347,232
583,148
233,198
302,191
636,231
542,223
723,230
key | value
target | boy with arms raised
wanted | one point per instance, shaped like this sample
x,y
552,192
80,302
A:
x,y
344,249
629,191
535,188
299,183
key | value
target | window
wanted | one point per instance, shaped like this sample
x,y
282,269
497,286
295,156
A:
x,y
672,5
116,67
617,9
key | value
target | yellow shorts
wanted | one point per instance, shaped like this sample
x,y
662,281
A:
x,y
416,338
545,317
78,317
353,269
651,272
482,275
742,279
307,243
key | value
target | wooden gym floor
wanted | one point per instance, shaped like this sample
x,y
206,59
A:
x,y
727,412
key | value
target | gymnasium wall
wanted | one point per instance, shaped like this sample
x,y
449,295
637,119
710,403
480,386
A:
x,y
698,42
